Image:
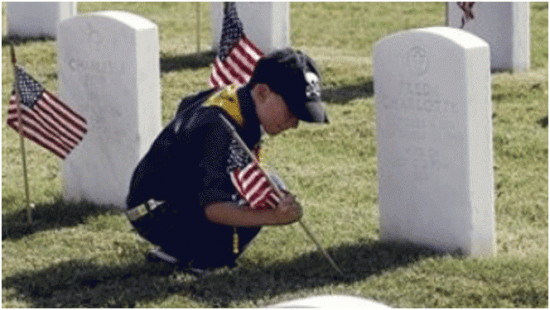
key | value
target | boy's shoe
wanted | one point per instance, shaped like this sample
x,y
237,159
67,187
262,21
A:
x,y
157,255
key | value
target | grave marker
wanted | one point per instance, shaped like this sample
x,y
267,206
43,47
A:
x,y
109,70
37,19
267,24
331,302
434,126
503,25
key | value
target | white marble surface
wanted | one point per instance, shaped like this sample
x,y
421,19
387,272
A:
x,y
434,137
109,70
36,19
332,302
504,25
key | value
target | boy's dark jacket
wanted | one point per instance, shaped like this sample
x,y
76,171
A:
x,y
187,162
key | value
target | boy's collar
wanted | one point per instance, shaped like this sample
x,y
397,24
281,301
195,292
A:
x,y
248,108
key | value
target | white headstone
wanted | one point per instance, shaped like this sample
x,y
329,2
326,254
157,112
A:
x,y
331,302
37,19
109,70
504,25
267,24
433,98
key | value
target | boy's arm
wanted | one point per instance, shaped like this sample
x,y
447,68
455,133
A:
x,y
228,213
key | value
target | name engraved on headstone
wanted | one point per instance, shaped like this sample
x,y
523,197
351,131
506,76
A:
x,y
96,76
417,116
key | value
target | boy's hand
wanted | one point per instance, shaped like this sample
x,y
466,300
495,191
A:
x,y
288,211
229,213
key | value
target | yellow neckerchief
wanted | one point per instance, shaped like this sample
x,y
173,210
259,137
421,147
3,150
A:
x,y
228,100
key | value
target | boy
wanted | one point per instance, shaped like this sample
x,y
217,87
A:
x,y
182,195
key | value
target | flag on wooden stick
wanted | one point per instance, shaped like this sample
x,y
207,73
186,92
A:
x,y
237,55
45,119
250,180
467,8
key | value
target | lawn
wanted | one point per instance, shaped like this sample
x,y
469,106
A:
x,y
85,255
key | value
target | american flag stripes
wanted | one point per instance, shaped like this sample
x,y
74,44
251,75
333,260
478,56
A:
x,y
250,180
46,120
467,8
237,55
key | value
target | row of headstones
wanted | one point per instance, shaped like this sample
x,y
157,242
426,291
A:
x,y
433,97
504,25
267,23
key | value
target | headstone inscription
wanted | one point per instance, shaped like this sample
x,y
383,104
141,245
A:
x,y
267,24
503,25
434,132
37,19
109,69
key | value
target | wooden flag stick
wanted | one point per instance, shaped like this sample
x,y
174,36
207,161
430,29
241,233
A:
x,y
21,139
278,191
198,27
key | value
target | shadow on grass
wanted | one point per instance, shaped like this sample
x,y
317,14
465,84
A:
x,y
190,61
358,261
543,122
6,40
75,284
344,94
49,216
84,284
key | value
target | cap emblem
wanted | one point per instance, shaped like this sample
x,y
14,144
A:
x,y
313,89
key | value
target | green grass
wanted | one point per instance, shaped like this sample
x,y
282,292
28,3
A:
x,y
84,255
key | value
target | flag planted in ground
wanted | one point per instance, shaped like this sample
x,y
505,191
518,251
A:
x,y
237,55
46,119
250,180
467,9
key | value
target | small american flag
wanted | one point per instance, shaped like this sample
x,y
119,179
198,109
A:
x,y
46,119
237,55
249,180
467,8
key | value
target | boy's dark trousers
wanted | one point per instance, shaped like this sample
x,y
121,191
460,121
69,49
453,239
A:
x,y
198,243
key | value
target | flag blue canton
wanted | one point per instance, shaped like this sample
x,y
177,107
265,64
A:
x,y
237,157
29,89
250,180
232,30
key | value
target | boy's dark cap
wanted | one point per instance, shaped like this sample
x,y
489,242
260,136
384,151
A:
x,y
294,76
